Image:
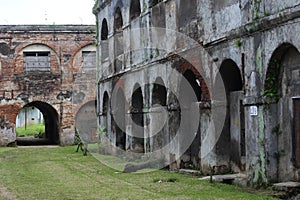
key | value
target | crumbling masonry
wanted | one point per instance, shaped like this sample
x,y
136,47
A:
x,y
255,46
46,66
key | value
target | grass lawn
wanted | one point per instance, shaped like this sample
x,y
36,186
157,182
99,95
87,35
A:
x,y
31,130
60,173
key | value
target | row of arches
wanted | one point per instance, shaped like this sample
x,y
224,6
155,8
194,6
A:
x,y
162,100
281,102
189,10
122,52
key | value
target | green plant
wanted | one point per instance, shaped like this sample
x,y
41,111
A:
x,y
272,81
267,13
102,131
256,7
77,139
276,130
238,43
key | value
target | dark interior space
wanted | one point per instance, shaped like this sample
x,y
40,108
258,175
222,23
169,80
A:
x,y
51,121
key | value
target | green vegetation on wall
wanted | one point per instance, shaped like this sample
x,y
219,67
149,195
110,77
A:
x,y
256,9
272,81
260,177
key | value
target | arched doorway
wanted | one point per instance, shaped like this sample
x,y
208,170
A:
x,y
189,94
49,119
106,112
118,40
282,91
119,124
158,112
231,144
137,116
86,122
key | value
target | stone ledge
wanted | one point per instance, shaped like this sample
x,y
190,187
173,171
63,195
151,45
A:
x,y
286,186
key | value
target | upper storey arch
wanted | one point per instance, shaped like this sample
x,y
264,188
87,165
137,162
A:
x,y
186,12
104,30
135,9
154,2
118,20
85,59
37,58
104,39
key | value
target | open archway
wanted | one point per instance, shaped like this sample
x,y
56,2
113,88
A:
x,y
189,94
231,144
119,125
158,136
282,91
137,116
31,114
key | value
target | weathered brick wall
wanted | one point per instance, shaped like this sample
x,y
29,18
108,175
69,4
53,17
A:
x,y
18,88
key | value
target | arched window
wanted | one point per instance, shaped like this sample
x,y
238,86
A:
x,y
135,9
118,20
118,39
104,30
104,41
37,58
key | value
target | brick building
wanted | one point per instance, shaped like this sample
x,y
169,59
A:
x,y
48,67
252,45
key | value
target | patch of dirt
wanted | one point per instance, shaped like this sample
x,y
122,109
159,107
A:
x,y
6,194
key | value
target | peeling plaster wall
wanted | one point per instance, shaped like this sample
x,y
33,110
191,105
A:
x,y
245,31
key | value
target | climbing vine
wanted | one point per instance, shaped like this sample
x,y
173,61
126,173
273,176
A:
x,y
256,6
260,178
272,81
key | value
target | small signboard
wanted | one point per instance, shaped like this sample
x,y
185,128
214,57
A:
x,y
253,110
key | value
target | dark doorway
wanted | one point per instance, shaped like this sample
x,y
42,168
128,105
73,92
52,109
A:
x,y
297,132
190,159
137,117
158,107
282,89
51,123
105,111
119,119
231,144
